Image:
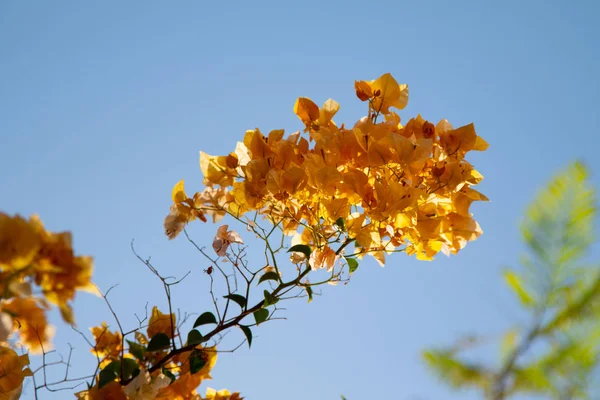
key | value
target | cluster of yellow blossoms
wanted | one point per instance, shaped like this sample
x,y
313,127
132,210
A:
x,y
129,374
386,185
33,259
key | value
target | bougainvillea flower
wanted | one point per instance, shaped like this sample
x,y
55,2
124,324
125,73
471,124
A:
x,y
13,370
371,175
108,344
223,239
29,318
223,394
161,323
145,387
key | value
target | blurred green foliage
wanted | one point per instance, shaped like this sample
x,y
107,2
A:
x,y
556,354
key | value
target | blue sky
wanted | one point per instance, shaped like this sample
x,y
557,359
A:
x,y
104,106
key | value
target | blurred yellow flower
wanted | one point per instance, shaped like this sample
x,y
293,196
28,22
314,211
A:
x,y
59,272
13,370
108,344
110,391
223,394
160,323
29,317
19,242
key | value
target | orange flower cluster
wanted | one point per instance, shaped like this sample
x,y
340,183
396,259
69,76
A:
x,y
385,185
178,380
31,257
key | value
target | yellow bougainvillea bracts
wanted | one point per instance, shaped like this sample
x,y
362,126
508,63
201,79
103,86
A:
x,y
32,258
391,185
13,370
108,344
29,320
224,394
19,243
30,254
113,391
223,239
59,272
160,323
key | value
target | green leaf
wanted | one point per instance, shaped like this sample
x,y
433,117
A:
x,y
196,361
114,366
130,368
269,299
106,376
269,276
158,342
340,222
135,373
169,374
516,284
301,248
109,373
309,292
205,318
248,333
137,350
194,337
113,370
238,298
352,264
261,315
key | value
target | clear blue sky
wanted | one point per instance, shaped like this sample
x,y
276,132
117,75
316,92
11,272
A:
x,y
105,105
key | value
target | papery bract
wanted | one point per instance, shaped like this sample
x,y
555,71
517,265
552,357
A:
x,y
223,239
13,370
161,323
